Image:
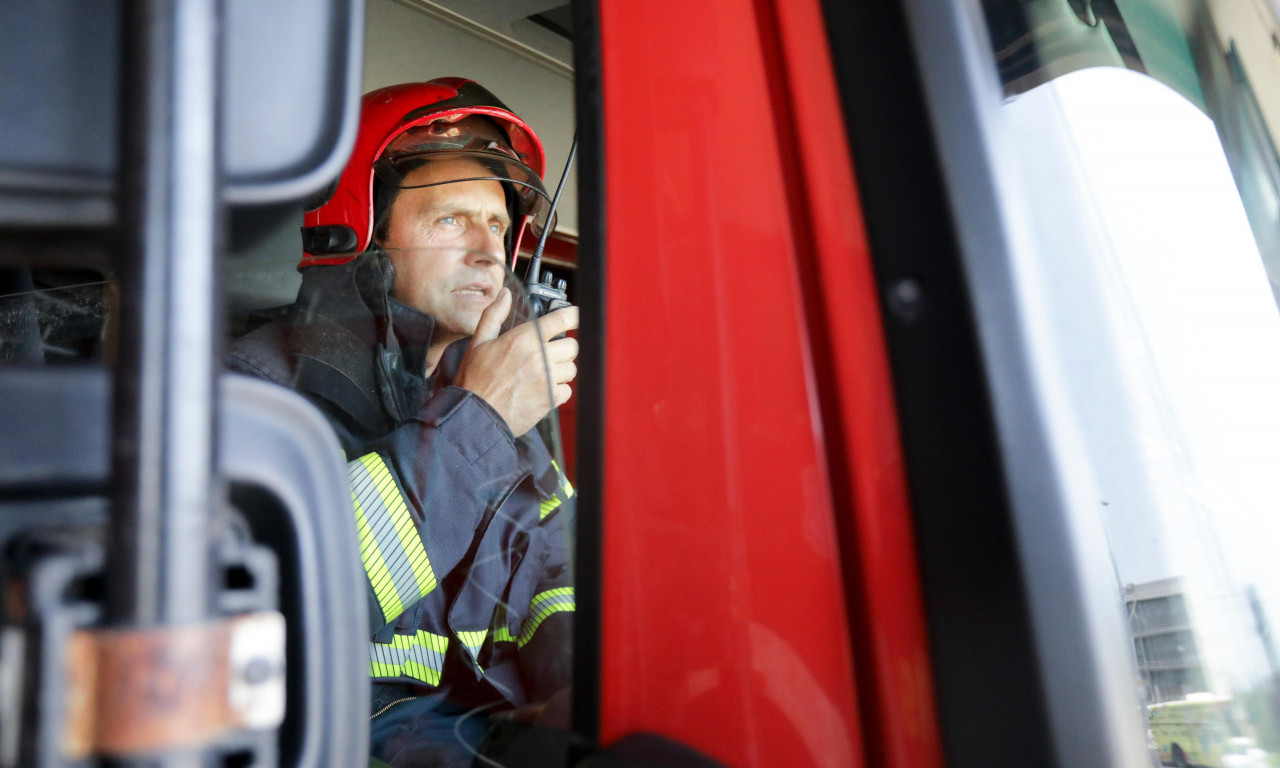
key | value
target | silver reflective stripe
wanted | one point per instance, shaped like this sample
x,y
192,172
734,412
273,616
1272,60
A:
x,y
420,656
543,605
394,558
473,641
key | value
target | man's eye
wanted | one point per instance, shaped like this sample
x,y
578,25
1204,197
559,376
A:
x,y
448,221
497,229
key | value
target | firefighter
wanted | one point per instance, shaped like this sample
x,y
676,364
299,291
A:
x,y
397,335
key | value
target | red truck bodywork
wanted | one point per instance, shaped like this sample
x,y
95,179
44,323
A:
x,y
760,598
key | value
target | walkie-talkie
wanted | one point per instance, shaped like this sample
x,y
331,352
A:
x,y
546,293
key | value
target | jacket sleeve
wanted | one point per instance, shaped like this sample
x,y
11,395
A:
x,y
545,645
421,493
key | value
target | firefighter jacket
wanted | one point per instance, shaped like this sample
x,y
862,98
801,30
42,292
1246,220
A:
x,y
463,528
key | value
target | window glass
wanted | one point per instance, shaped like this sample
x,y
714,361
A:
x,y
426,351
461,498
55,316
1149,176
439,344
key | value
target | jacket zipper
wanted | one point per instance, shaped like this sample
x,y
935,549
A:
x,y
389,706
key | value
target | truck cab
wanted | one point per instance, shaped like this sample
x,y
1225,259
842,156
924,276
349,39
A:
x,y
926,401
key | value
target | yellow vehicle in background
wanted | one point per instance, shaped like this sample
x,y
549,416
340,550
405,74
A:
x,y
1196,730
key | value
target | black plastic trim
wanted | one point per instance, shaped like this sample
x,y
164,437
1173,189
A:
x,y
590,292
649,750
987,681
41,407
163,424
280,456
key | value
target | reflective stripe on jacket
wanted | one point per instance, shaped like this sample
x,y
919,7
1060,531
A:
x,y
463,527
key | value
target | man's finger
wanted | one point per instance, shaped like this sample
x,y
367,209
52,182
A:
x,y
562,350
555,323
565,373
492,317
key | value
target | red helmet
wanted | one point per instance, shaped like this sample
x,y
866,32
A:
x,y
401,124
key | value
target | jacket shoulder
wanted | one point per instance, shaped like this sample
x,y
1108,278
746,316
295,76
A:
x,y
262,353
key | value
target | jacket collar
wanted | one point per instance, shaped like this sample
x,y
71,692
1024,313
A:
x,y
350,333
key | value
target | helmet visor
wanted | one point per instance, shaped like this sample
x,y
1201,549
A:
x,y
477,145
527,199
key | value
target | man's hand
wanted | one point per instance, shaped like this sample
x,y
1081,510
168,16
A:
x,y
510,371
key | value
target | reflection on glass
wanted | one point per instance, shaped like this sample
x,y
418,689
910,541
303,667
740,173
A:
x,y
55,316
442,387
1156,285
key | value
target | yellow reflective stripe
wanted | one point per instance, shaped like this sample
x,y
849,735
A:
x,y
548,506
394,557
553,503
549,595
421,672
501,633
420,656
382,529
564,481
473,640
400,518
542,605
384,587
533,622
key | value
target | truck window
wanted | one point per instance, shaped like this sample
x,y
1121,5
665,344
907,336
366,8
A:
x,y
1142,153
464,505
502,557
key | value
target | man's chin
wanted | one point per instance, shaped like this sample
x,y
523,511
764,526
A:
x,y
460,326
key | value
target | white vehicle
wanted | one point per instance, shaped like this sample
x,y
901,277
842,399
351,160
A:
x,y
1242,752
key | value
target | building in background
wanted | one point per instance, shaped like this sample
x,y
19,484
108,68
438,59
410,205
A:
x,y
1163,642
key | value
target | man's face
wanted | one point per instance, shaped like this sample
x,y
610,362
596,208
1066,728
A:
x,y
446,243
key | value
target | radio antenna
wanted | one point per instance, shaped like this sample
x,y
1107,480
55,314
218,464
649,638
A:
x,y
535,261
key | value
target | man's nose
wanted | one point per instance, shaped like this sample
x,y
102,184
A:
x,y
485,248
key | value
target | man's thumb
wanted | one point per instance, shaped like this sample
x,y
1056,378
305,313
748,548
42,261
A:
x,y
491,319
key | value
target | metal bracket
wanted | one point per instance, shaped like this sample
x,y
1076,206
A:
x,y
143,691
11,668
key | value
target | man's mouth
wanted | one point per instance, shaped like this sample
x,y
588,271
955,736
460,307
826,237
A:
x,y
475,290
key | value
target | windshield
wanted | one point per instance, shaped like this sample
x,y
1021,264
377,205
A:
x,y
1149,184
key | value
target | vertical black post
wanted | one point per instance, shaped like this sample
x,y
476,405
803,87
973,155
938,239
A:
x,y
163,452
589,536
